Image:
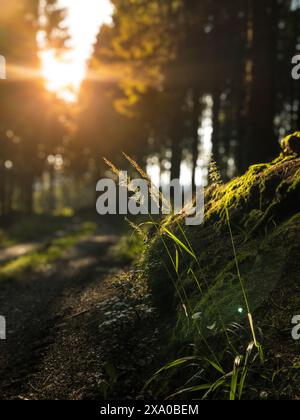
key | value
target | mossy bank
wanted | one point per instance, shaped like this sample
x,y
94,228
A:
x,y
195,279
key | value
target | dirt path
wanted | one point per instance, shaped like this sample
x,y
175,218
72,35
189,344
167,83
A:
x,y
52,349
16,251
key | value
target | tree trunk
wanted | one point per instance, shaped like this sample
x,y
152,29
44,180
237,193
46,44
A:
x,y
176,157
261,141
195,132
28,195
2,192
216,127
52,194
176,147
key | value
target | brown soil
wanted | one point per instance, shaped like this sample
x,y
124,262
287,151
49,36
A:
x,y
53,348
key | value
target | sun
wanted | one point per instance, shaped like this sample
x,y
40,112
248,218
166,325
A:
x,y
65,73
62,76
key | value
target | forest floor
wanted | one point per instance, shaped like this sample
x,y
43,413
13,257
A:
x,y
54,347
16,251
84,325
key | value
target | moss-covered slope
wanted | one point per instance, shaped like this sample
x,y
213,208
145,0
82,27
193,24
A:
x,y
206,294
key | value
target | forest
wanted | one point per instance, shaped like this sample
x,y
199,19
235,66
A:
x,y
100,304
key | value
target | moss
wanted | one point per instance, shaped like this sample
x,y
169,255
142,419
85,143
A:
x,y
256,190
264,209
291,144
294,185
238,192
262,264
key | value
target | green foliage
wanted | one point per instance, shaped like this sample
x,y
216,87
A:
x,y
37,227
291,144
142,41
219,274
3,239
129,248
52,251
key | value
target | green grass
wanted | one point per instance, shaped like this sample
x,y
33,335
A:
x,y
128,248
54,250
36,227
33,228
216,280
4,241
215,285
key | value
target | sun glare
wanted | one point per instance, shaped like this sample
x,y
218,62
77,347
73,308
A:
x,y
62,77
64,74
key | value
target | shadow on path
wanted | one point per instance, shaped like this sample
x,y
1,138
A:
x,y
46,351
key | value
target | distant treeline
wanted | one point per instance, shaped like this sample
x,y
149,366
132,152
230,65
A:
x,y
173,81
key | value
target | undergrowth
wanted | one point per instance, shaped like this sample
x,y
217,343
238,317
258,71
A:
x,y
219,283
48,253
